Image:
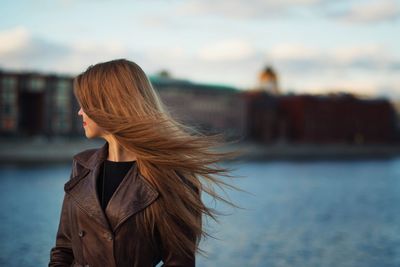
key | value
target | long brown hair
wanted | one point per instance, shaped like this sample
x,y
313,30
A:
x,y
178,160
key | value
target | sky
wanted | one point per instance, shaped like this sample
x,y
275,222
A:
x,y
315,46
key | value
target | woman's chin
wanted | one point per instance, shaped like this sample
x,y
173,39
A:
x,y
88,135
91,135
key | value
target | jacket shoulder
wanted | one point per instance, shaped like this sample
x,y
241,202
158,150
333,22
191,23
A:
x,y
79,165
84,155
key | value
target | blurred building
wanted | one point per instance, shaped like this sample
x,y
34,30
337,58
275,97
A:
x,y
210,108
37,104
340,118
264,121
268,81
396,106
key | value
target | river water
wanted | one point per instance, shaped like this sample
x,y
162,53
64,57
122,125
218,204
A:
x,y
293,213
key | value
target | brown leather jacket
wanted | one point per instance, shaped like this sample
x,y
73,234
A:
x,y
88,237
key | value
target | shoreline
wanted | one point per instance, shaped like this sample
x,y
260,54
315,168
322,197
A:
x,y
319,152
58,150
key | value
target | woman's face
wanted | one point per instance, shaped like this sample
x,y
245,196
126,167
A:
x,y
92,130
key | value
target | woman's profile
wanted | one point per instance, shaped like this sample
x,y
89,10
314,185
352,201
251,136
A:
x,y
135,201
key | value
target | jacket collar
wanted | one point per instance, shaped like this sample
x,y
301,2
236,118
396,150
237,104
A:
x,y
132,195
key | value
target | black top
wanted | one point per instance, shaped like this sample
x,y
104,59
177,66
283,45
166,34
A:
x,y
114,173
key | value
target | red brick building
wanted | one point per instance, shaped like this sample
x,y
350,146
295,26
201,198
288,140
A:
x,y
340,118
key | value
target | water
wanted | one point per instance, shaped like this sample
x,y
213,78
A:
x,y
325,213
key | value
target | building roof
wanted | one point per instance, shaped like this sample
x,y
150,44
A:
x,y
160,81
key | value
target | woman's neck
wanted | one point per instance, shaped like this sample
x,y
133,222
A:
x,y
116,152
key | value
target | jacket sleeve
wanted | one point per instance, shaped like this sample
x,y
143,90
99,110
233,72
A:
x,y
61,254
172,259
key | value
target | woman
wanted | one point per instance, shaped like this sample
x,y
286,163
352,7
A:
x,y
135,201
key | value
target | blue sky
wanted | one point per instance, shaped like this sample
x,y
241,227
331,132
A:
x,y
316,46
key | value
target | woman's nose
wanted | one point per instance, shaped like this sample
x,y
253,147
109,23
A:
x,y
80,111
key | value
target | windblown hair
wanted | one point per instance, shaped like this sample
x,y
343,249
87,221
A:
x,y
177,159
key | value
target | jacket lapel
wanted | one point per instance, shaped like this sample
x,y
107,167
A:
x,y
132,195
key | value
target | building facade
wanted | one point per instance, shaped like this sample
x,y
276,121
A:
x,y
34,104
304,118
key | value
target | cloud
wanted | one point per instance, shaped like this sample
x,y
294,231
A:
x,y
342,10
372,11
300,58
20,50
364,68
227,50
245,9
